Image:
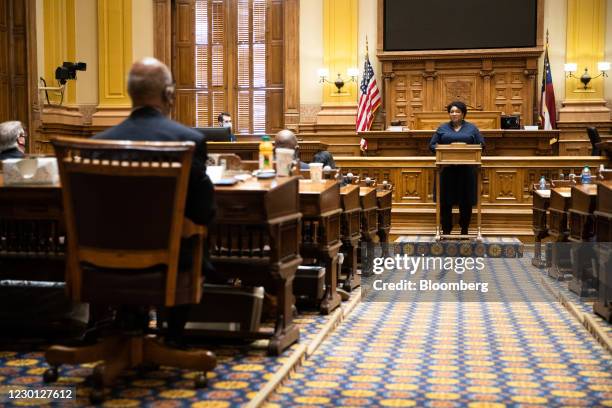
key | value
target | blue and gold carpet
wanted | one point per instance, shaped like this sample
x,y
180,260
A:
x,y
242,372
525,351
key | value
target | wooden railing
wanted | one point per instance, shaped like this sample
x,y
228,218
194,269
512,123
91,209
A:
x,y
506,189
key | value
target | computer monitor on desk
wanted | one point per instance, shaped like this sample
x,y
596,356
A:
x,y
216,134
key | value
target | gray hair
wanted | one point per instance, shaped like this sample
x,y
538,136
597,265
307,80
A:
x,y
9,133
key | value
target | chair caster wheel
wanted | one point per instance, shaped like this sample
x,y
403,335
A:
x,y
50,375
96,396
200,380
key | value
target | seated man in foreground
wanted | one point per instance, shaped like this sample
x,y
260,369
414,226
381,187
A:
x,y
151,89
152,92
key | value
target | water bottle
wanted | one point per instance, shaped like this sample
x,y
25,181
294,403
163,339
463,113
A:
x,y
542,185
266,151
585,177
602,168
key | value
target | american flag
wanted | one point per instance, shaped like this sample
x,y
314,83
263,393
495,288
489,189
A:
x,y
548,111
369,101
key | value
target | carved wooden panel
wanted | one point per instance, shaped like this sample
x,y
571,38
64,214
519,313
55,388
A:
x,y
506,185
483,83
413,185
185,107
13,61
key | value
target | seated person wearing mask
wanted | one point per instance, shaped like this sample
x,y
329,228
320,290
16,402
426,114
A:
x,y
12,140
287,139
225,120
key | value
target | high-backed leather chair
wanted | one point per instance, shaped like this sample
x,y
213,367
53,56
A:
x,y
123,204
594,138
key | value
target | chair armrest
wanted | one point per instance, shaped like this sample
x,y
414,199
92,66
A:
x,y
190,229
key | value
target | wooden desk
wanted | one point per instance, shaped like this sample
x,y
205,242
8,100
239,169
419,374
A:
x,y
369,217
582,229
384,204
481,119
603,264
320,206
498,142
580,213
250,150
541,201
350,230
560,200
32,233
255,238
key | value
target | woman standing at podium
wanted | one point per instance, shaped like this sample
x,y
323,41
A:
x,y
457,183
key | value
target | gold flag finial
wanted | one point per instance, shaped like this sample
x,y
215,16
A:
x,y
366,45
547,38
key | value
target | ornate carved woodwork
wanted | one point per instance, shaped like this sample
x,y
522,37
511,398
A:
x,y
485,79
506,189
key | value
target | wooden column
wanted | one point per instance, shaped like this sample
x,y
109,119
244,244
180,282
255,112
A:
x,y
59,45
114,60
586,29
340,28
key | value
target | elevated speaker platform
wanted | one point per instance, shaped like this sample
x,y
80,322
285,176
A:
x,y
490,247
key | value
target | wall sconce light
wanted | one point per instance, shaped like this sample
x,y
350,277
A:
x,y
585,78
352,73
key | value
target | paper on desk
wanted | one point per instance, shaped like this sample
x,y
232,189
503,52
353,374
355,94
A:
x,y
34,170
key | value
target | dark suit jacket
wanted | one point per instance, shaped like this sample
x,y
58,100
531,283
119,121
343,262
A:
x,y
12,153
148,124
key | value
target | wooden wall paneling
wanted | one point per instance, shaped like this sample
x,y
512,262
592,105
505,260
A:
x,y
230,89
506,210
19,78
183,43
414,185
275,68
487,79
291,64
5,92
14,52
506,185
183,39
185,107
274,111
32,75
162,23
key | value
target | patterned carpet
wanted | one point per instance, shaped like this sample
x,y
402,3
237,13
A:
x,y
241,372
519,348
447,354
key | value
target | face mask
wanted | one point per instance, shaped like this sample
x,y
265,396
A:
x,y
227,124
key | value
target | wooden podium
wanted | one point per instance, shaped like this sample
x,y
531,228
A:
x,y
458,154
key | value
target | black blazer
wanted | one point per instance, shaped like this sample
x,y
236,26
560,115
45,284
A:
x,y
12,153
148,124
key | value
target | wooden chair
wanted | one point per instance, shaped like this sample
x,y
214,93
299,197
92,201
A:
x,y
594,138
122,202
